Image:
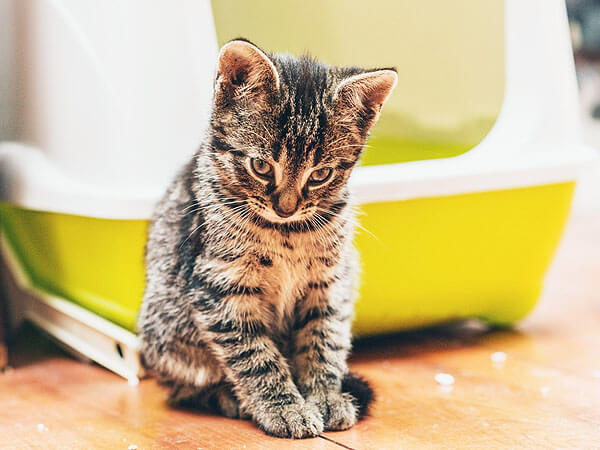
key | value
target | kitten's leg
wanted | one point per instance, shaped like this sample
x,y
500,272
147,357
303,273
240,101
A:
x,y
194,379
321,344
189,370
217,397
258,372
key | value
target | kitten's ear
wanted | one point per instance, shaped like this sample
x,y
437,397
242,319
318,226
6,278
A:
x,y
359,98
245,70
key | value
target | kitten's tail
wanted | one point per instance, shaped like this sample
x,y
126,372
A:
x,y
361,390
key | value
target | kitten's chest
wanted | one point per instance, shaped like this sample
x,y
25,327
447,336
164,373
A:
x,y
295,264
288,277
282,269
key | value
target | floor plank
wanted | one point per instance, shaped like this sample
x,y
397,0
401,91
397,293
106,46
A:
x,y
545,395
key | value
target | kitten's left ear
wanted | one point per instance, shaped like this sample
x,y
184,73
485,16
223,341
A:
x,y
360,97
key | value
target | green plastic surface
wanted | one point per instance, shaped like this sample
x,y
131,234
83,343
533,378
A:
x,y
427,260
449,57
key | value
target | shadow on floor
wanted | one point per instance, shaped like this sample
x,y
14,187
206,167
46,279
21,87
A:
x,y
29,345
452,336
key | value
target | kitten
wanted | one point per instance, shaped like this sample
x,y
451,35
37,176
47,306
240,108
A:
x,y
251,271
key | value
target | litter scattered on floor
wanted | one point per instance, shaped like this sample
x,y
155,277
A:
x,y
132,447
545,372
41,427
444,379
498,358
545,390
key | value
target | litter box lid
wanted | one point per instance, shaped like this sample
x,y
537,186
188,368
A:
x,y
534,140
102,120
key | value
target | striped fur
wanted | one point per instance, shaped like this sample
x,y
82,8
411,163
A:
x,y
251,281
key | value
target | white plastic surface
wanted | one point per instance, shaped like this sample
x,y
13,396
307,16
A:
x,y
82,332
114,94
536,138
149,111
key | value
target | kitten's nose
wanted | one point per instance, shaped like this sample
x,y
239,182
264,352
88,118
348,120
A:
x,y
285,203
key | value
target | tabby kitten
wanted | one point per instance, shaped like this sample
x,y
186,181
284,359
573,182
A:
x,y
251,271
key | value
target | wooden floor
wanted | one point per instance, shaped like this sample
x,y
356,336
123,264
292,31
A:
x,y
545,395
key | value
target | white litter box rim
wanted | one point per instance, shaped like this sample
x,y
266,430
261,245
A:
x,y
534,141
35,184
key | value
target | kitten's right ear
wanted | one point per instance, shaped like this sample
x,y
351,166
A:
x,y
245,70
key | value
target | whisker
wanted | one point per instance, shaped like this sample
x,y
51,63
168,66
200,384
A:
x,y
211,206
349,220
226,215
349,146
266,131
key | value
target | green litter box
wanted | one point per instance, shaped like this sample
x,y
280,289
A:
x,y
424,261
465,187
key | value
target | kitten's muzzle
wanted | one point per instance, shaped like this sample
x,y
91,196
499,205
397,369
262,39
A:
x,y
285,203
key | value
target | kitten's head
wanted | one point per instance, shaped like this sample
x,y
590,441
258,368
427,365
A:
x,y
286,132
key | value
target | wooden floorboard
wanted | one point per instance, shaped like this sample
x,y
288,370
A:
x,y
545,395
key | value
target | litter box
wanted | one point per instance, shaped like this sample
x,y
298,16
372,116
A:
x,y
465,187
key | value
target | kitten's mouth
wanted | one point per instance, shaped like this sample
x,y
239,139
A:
x,y
269,215
272,216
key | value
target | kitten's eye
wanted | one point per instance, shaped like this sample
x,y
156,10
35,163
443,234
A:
x,y
320,176
261,168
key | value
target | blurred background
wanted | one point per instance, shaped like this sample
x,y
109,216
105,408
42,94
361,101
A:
x,y
584,20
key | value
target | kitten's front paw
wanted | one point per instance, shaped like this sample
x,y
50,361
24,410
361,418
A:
x,y
337,408
292,421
